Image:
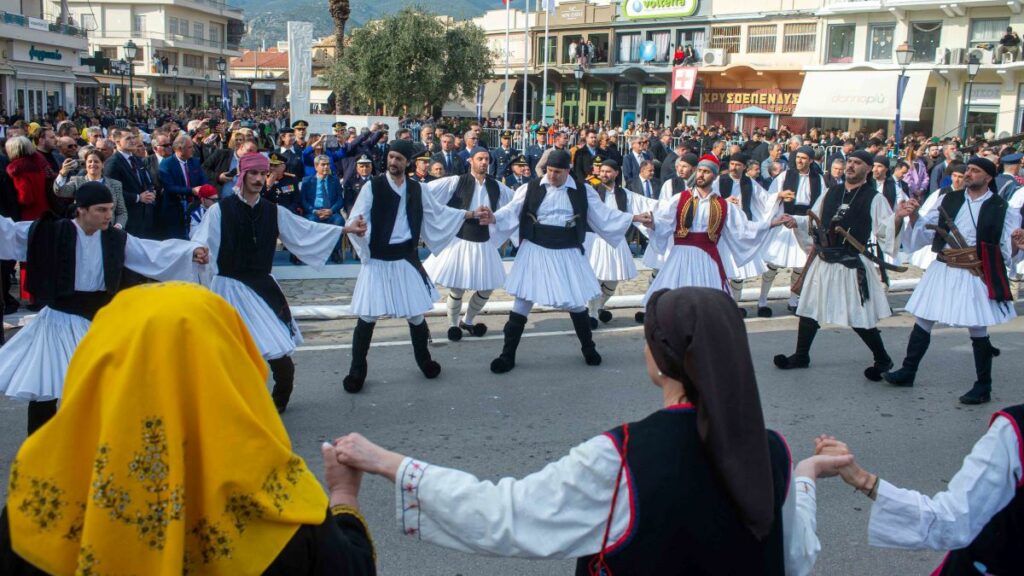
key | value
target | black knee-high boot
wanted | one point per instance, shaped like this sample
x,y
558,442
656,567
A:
x,y
361,338
983,354
283,370
882,362
581,323
916,348
513,333
39,413
806,331
420,334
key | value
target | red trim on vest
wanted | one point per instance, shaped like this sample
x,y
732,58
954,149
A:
x,y
701,241
631,494
683,406
714,228
942,565
1020,439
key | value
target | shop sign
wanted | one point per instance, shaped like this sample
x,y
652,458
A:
x,y
776,101
653,89
985,94
642,9
37,24
41,55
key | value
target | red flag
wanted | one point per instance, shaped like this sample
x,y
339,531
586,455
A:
x,y
684,80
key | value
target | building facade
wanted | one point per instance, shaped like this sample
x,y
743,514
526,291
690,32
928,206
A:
x,y
265,72
38,57
179,44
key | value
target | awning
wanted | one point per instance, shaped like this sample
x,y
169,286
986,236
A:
x,y
84,80
755,111
264,86
493,101
6,70
860,94
319,96
54,76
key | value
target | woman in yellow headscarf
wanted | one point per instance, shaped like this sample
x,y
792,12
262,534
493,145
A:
x,y
165,463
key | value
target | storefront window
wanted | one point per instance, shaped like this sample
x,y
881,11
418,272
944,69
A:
x,y
924,39
840,43
880,42
628,51
597,103
571,103
982,109
552,50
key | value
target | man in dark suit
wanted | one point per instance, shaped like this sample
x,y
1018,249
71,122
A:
x,y
847,149
139,199
323,199
645,183
453,163
181,176
379,153
636,156
583,161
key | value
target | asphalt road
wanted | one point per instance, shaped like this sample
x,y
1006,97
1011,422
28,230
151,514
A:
x,y
514,424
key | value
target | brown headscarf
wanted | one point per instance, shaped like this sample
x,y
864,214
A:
x,y
697,336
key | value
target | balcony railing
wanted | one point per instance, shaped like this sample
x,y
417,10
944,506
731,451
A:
x,y
168,37
39,24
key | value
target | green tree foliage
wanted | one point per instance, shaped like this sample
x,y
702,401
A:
x,y
411,60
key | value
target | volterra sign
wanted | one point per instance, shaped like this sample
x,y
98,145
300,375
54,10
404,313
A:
x,y
638,9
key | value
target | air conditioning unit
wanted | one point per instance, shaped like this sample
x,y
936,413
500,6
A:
x,y
982,56
959,56
713,57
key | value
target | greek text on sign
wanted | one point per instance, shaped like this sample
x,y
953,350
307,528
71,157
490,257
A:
x,y
636,9
734,100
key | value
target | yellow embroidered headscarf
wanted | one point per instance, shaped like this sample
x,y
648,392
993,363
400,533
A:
x,y
167,456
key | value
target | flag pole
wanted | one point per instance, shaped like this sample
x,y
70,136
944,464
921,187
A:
x,y
526,68
547,30
508,29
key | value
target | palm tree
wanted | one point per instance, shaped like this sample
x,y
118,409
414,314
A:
x,y
340,12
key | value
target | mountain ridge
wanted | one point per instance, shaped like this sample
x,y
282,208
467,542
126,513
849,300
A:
x,y
267,20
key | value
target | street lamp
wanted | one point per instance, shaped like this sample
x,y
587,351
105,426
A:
x,y
578,73
121,69
130,51
904,55
973,65
222,66
177,101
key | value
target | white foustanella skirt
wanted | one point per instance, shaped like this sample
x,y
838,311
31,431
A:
x,y
34,362
831,296
559,278
395,289
686,266
610,263
467,265
956,297
271,335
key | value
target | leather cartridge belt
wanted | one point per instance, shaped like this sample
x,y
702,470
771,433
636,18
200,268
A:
x,y
962,258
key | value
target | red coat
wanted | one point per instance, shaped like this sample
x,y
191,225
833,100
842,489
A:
x,y
30,174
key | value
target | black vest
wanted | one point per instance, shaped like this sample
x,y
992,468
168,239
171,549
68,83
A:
x,y
746,191
571,235
791,181
248,239
463,198
889,190
989,219
857,219
998,547
52,244
684,522
384,214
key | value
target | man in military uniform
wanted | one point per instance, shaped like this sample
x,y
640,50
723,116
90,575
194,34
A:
x,y
282,187
354,183
517,176
379,153
594,179
420,173
535,150
502,156
340,134
301,128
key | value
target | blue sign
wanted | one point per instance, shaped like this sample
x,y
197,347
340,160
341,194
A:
x,y
37,54
648,50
